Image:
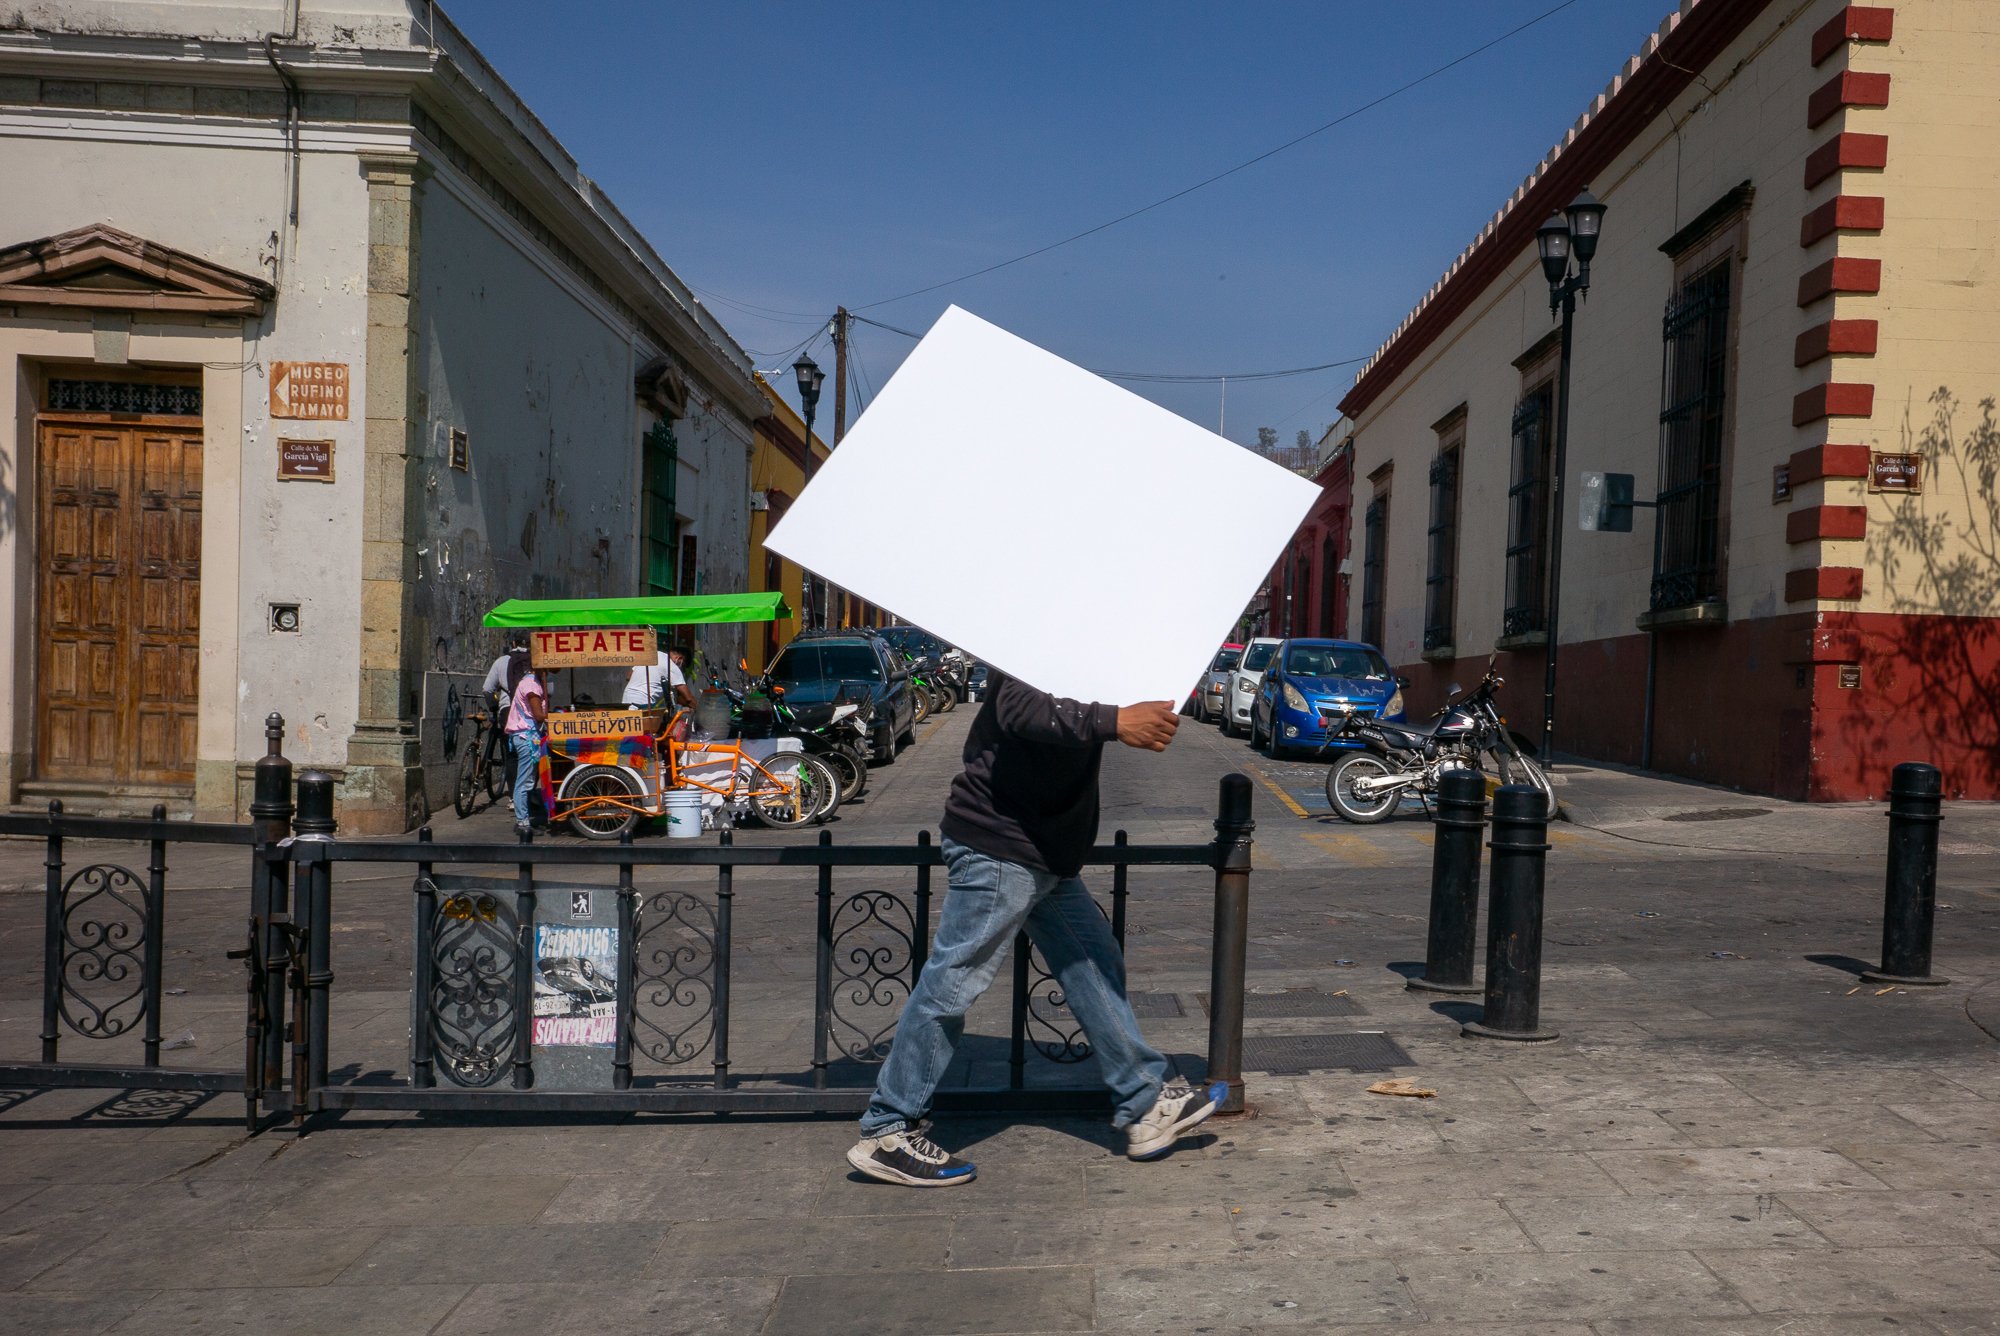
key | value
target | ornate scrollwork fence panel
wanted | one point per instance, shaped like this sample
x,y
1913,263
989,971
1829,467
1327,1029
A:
x,y
472,987
106,922
874,967
674,964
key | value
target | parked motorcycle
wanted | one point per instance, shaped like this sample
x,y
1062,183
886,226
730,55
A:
x,y
1365,786
840,742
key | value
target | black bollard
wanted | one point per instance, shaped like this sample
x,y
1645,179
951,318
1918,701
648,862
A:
x,y
1230,944
1454,933
1909,909
1514,920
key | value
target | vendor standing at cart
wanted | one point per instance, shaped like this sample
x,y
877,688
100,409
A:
x,y
650,681
526,716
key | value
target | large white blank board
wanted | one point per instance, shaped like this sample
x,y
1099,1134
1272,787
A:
x,y
1065,530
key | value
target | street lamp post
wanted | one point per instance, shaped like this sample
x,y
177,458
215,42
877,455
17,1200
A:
x,y
810,377
1559,240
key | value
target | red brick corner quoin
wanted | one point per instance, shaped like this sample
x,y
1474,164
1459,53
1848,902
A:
x,y
1822,582
1844,150
1849,88
1826,522
1842,213
1833,399
1856,23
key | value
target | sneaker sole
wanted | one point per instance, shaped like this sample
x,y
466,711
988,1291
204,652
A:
x,y
882,1173
1174,1133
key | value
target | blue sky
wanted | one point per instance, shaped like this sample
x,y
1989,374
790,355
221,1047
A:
x,y
788,158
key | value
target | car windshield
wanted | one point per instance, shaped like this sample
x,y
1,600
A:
x,y
1334,661
1226,660
1258,657
819,662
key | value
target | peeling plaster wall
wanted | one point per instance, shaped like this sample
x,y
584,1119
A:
x,y
263,540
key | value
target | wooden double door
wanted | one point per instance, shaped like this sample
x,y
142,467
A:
x,y
119,550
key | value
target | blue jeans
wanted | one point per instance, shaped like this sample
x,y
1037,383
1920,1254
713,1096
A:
x,y
527,771
989,901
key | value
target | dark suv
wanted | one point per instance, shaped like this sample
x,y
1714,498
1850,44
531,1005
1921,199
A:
x,y
818,666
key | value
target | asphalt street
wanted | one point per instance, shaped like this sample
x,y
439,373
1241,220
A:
x,y
1732,1136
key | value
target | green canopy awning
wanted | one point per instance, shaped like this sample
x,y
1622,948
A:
x,y
663,611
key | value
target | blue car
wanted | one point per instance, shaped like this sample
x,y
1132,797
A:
x,y
1311,684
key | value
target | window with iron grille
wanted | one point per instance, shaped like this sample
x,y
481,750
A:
x,y
1441,578
1374,549
661,453
1528,513
1694,384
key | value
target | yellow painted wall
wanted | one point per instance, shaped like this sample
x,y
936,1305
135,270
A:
x,y
771,469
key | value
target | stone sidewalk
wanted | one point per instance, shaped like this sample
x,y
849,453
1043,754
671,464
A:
x,y
1733,1137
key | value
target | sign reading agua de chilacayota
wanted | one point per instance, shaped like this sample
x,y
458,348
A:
x,y
589,725
316,390
597,647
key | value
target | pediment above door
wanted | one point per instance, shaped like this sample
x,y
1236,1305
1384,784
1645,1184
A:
x,y
100,268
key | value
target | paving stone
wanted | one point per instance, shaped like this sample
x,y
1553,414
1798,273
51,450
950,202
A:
x,y
479,1255
1947,1165
1056,1186
1887,1219
735,1306
1789,1324
50,1314
1850,1084
1361,1229
1761,1169
1953,1120
1040,1299
1193,1180
1277,1292
1861,1279
384,1203
789,1247
1597,1224
1448,1176
29,1253
1339,1134
344,1310
1555,1129
1649,1090
134,1259
1087,1238
1794,1126
1510,1286
665,1195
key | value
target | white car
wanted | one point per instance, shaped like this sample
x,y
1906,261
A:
x,y
1243,681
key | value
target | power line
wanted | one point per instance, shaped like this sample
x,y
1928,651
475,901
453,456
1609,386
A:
x,y
1176,377
1241,166
764,312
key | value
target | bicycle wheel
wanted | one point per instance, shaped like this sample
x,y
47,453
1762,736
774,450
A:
x,y
605,799
780,792
465,793
500,772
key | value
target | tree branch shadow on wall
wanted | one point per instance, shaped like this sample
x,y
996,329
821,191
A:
x,y
1939,550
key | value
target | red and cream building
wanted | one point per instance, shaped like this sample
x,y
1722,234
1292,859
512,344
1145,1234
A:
x,y
1792,341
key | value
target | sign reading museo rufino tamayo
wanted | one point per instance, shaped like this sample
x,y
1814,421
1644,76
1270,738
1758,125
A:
x,y
1099,509
314,390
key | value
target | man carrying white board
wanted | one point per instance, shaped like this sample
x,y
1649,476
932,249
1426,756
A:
x,y
1017,826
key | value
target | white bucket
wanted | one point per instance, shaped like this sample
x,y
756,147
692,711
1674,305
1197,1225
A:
x,y
683,809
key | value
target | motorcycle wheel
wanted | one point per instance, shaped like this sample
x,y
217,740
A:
x,y
947,700
611,814
1349,805
850,768
1511,767
465,793
922,701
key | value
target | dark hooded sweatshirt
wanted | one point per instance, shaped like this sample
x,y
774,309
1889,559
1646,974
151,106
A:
x,y
1029,791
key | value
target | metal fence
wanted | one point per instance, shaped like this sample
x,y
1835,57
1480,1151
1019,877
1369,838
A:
x,y
534,992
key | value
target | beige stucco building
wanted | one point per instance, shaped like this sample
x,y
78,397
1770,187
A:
x,y
1791,340
314,345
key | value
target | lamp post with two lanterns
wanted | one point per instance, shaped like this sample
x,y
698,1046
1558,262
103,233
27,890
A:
x,y
1570,235
810,377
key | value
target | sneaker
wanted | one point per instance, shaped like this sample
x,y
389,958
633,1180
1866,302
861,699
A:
x,y
910,1158
1179,1108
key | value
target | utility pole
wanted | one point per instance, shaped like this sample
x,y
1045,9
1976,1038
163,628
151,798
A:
x,y
840,323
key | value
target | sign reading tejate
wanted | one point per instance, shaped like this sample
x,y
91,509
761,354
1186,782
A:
x,y
598,647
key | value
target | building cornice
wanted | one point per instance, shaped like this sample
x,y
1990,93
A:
x,y
1672,59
